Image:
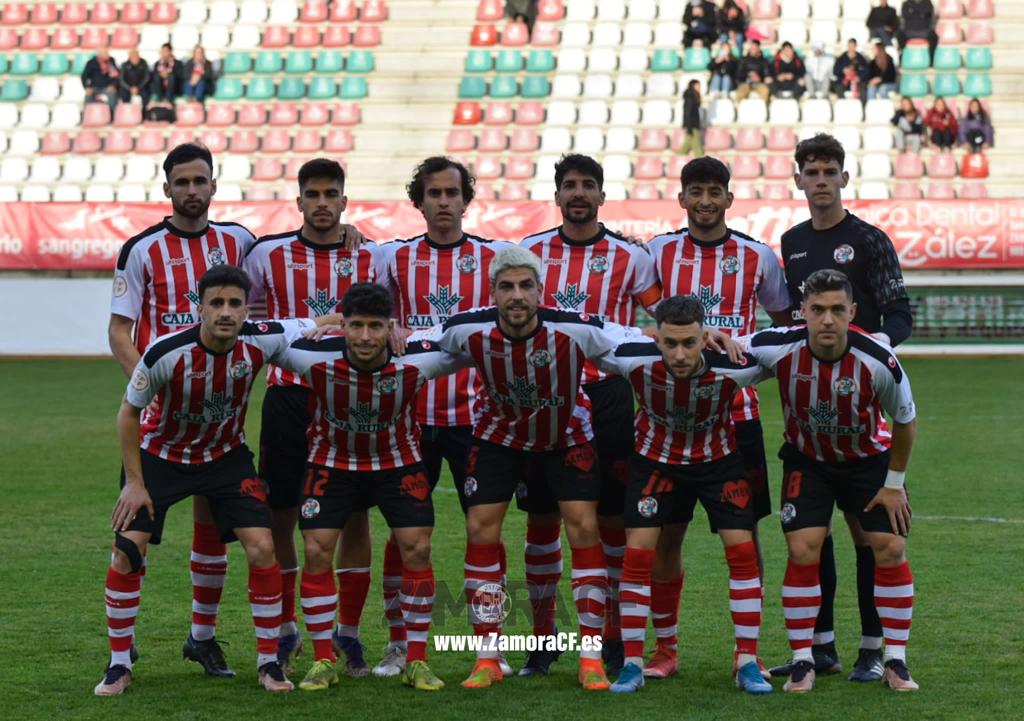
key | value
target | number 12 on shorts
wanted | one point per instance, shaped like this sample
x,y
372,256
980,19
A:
x,y
316,479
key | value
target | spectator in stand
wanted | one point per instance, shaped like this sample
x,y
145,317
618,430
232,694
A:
x,y
909,127
753,74
918,20
976,128
943,124
100,78
135,80
693,121
198,76
883,23
787,73
819,72
850,72
723,69
881,73
701,23
166,82
732,25
522,11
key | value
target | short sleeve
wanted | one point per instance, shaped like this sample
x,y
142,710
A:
x,y
647,288
145,382
129,285
893,388
772,292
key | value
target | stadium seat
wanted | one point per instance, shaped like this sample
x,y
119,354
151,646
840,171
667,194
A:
x,y
648,167
190,115
942,165
873,190
315,11
353,89
781,139
498,113
637,35
746,167
44,14
45,89
460,140
55,142
128,114
64,39
275,37
134,13
665,61
244,142
259,89
909,166
535,86
749,139
234,168
336,36
514,191
479,61
878,138
717,139
86,142
284,115
980,9
916,56
150,142
509,61
652,140
314,114
322,88
979,33
752,111
818,111
291,89
492,140
625,113
515,34
24,64
540,61
875,166
373,11
94,115
939,190
252,115
545,35
306,36
588,141
913,85
778,167
645,191
360,61
674,166
223,12
140,169
550,10
530,113
14,170
163,13
488,168
366,36
906,191
483,36
504,86
236,63
338,140
489,10
948,32
220,115
229,88
576,35
524,140
978,85
696,59
979,59
520,168
974,191
472,87
55,64
467,113
44,170
108,169
268,62
946,58
952,9
34,39
307,141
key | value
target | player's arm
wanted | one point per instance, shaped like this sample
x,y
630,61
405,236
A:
x,y
119,335
721,342
772,292
125,304
134,494
351,236
889,290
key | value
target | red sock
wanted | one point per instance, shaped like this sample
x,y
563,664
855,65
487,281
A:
x,y
801,600
288,577
635,599
319,599
353,585
589,592
482,568
543,556
265,599
665,610
122,596
209,566
894,599
417,606
744,595
503,563
613,542
391,582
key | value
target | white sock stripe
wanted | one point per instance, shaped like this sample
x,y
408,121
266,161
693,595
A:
x,y
898,614
824,637
207,581
747,631
743,584
207,609
665,631
319,617
537,549
122,595
113,612
314,601
895,634
590,620
895,591
745,605
121,632
209,560
319,635
420,618
274,632
360,569
393,581
289,570
595,572
266,610
640,589
549,569
797,612
495,568
801,591
634,611
800,634
632,634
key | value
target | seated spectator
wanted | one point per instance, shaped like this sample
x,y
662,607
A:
x,y
701,23
850,72
787,73
165,85
976,128
819,72
198,76
522,11
135,79
693,121
732,24
943,125
723,70
883,23
917,18
753,73
100,78
909,127
881,73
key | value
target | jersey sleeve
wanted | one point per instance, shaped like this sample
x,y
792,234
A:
x,y
129,285
595,341
253,265
647,289
146,381
386,270
772,293
434,364
292,329
885,275
893,388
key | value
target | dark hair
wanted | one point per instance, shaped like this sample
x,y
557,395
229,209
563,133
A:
x,y
852,40
689,85
785,45
168,46
982,114
186,153
705,170
417,187
582,164
224,274
367,299
755,41
680,310
321,168
820,147
825,280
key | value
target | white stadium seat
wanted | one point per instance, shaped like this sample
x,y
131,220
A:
x,y
215,37
24,142
722,111
848,110
8,115
856,9
185,36
602,60
70,194
155,193
71,90
555,140
597,86
561,112
151,37
542,190
793,31
45,89
571,60
636,34
668,9
633,60
283,12
66,116
35,194
223,12
231,192
607,35
580,10
45,169
875,166
825,9
629,86
192,12
878,138
617,167
873,191
575,35
615,191
848,136
625,112
823,31
856,30
668,34
245,37
235,168
657,112
588,140
643,10
8,194
133,193
661,85
593,112
108,169
99,193
620,140
784,111
611,9
140,169
565,86
34,115
879,111
253,11
817,111
794,9
752,111
14,170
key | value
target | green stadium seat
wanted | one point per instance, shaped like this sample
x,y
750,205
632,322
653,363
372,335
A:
x,y
540,61
354,88
55,64
260,89
25,64
665,60
3,64
472,87
298,62
979,58
268,62
913,85
509,61
330,62
978,85
946,85
79,63
536,86
915,57
360,61
946,59
237,63
322,88
504,86
229,88
696,59
479,61
291,89
14,90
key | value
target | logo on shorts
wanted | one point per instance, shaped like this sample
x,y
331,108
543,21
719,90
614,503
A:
x,y
120,286
253,487
241,369
730,265
845,386
598,264
540,358
466,264
215,256
522,491
647,506
843,254
343,267
140,380
469,486
311,508
490,604
415,486
737,493
387,384
788,512
582,458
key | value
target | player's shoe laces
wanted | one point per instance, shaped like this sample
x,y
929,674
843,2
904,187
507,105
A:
x,y
418,675
868,667
630,680
826,660
288,649
355,664
485,674
538,662
393,662
503,664
614,656
765,673
592,676
897,676
116,679
664,662
272,678
209,655
750,679
320,677
801,678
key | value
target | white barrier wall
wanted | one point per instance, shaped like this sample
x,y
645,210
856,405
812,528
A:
x,y
54,316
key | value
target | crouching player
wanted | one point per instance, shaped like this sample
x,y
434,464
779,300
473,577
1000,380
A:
x,y
686,452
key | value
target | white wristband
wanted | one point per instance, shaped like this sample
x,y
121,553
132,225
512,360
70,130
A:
x,y
894,479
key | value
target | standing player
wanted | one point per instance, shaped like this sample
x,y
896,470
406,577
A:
x,y
834,382
589,269
835,238
302,274
194,385
729,273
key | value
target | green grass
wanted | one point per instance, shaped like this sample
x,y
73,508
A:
x,y
59,465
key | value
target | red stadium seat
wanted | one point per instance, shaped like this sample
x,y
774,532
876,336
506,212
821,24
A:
x,y
14,14
44,14
781,139
347,114
717,139
34,39
307,36
530,113
8,39
96,115
74,14
276,140
124,38
220,115
260,192
252,116
974,191
177,137
676,141
291,168
939,190
645,191
315,11
980,9
764,31
906,191
484,191
216,140
974,165
267,169
545,35
949,32
276,36
951,9
909,165
189,115
942,165
524,140
980,33
648,167
244,142
513,191
374,11
366,36
103,13
343,11
778,166
776,191
127,115
150,141
744,190
307,141
675,164
55,143
284,114
498,112
490,10
460,140
515,35
314,115
483,36
94,38
488,168
763,9
336,36
749,139
552,10
338,140
163,13
64,39
88,142
520,168
492,140
653,140
466,113
134,13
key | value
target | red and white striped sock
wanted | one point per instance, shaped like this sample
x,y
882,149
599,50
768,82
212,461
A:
x,y
122,596
353,585
543,556
589,592
319,600
801,600
894,599
289,625
665,611
744,598
613,542
209,566
391,584
265,599
635,601
417,596
482,567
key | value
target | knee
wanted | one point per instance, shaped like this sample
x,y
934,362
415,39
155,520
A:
x,y
126,556
482,528
889,550
317,556
803,552
260,551
417,554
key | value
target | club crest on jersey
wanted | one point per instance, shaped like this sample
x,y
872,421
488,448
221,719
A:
x,y
120,286
540,358
311,508
444,301
469,486
263,327
730,265
466,264
647,506
788,513
571,297
241,369
387,384
845,386
321,304
215,256
598,264
704,391
343,268
843,254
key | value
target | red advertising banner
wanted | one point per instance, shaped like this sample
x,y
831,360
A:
x,y
929,235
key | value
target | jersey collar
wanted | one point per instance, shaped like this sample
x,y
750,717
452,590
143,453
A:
x,y
601,232
441,246
709,243
535,331
318,246
181,233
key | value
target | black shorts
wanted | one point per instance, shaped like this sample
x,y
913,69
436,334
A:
x,y
330,496
237,496
449,443
659,494
750,444
283,443
494,473
810,488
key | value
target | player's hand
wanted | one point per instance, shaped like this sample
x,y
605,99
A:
x,y
317,334
721,342
631,239
397,339
133,497
351,236
897,505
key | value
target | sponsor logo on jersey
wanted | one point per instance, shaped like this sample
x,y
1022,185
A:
x,y
343,268
598,264
217,409
822,416
571,297
387,384
360,420
681,419
466,264
321,304
843,254
845,386
177,261
797,256
730,265
192,375
788,512
710,300
540,358
140,380
120,286
415,485
523,393
177,319
444,301
241,369
421,263
193,297
215,256
807,378
647,506
300,266
311,508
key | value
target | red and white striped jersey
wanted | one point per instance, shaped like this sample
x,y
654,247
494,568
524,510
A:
x,y
532,398
300,279
159,269
832,411
682,420
728,276
201,397
432,282
363,420
605,276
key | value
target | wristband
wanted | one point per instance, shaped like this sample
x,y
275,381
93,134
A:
x,y
894,479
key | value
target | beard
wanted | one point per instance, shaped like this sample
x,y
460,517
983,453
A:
x,y
191,212
571,214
